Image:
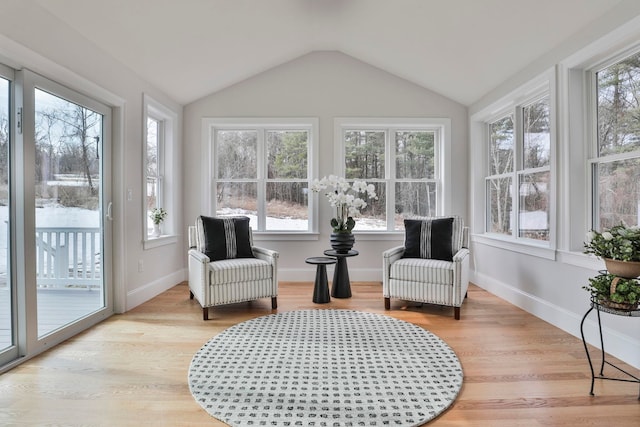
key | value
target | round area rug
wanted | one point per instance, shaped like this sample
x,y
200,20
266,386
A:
x,y
325,368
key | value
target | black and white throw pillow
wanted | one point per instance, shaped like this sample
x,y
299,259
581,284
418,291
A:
x,y
433,238
224,238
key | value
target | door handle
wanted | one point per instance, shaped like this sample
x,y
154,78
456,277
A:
x,y
109,207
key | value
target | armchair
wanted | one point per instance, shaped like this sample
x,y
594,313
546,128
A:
x,y
225,267
433,265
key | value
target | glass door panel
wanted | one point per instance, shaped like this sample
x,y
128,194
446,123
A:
x,y
69,230
7,331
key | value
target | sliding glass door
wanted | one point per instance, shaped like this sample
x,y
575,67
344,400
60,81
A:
x,y
7,290
68,211
55,222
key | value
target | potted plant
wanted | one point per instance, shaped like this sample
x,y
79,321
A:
x,y
619,246
345,197
157,215
615,292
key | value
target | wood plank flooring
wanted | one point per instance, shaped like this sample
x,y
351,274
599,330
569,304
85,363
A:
x,y
131,370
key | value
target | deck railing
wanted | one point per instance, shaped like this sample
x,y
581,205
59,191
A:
x,y
68,257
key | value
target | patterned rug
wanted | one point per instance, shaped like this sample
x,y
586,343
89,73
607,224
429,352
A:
x,y
325,368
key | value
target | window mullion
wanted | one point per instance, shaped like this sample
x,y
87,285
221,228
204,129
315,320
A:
x,y
261,184
518,163
390,176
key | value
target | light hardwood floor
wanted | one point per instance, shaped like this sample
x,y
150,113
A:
x,y
131,370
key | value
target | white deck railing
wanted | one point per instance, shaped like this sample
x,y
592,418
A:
x,y
68,257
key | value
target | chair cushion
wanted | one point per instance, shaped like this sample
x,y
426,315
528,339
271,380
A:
x,y
433,238
239,270
422,270
224,238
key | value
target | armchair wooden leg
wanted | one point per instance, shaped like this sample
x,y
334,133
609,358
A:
x,y
190,295
274,303
387,303
205,313
456,313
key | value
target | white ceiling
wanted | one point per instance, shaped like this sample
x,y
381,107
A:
x,y
459,48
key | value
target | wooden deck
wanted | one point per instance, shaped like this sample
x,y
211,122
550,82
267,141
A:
x,y
56,308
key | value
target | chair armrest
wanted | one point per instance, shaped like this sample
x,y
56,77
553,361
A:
x,y
265,254
199,276
461,255
393,254
198,256
389,257
460,275
271,257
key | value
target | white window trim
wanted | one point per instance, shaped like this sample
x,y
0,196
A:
x,y
209,127
593,157
535,89
443,157
576,106
167,147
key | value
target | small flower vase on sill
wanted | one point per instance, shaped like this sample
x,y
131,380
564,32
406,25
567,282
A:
x,y
156,230
157,215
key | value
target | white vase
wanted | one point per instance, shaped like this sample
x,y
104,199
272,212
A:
x,y
156,230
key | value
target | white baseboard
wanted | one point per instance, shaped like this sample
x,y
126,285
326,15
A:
x,y
624,347
150,290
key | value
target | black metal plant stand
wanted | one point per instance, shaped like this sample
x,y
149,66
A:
x,y
628,313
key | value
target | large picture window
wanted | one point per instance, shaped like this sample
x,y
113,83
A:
x,y
518,181
616,164
403,159
263,171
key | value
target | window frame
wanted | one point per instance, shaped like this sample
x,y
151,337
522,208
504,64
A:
x,y
516,111
442,162
167,140
594,158
262,125
536,88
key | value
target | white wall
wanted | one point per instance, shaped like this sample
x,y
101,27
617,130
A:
x,y
34,39
324,85
552,288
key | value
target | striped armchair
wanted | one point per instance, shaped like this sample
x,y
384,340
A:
x,y
233,280
426,280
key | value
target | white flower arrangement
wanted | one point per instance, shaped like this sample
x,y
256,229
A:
x,y
157,215
620,242
345,198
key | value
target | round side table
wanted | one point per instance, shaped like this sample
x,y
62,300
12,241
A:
x,y
341,286
321,287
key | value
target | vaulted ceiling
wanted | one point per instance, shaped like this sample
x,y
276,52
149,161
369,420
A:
x,y
459,48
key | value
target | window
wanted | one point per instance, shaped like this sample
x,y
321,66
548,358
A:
x,y
403,159
154,167
615,167
262,170
160,138
519,152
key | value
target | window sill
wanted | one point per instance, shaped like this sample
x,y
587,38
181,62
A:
x,y
580,259
309,236
528,247
156,242
379,235
283,235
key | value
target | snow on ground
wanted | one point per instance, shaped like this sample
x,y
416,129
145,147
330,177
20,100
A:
x,y
290,224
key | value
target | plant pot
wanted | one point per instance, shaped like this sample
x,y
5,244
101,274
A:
x,y
617,305
626,269
628,306
342,242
